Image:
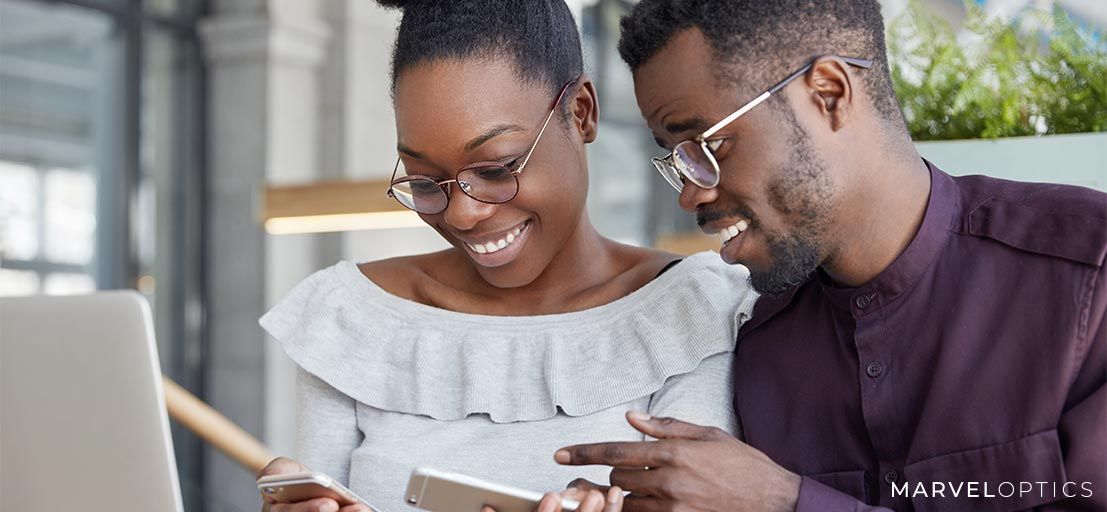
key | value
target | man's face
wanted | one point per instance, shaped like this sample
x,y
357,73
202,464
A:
x,y
771,176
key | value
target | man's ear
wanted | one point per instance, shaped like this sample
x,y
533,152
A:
x,y
831,89
584,106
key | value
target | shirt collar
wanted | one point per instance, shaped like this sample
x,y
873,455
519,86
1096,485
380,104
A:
x,y
911,264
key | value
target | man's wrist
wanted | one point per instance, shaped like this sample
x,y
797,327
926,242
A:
x,y
784,495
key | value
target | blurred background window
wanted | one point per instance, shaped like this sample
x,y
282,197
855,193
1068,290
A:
x,y
101,184
56,69
625,201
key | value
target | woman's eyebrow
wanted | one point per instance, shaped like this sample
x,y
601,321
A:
x,y
489,134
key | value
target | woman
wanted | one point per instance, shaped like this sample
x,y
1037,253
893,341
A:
x,y
533,331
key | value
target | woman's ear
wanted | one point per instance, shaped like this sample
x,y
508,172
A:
x,y
584,107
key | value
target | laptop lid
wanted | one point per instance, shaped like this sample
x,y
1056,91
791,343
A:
x,y
83,423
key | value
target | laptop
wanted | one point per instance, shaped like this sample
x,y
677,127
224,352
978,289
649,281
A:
x,y
83,424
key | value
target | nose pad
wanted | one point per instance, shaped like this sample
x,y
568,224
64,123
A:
x,y
464,212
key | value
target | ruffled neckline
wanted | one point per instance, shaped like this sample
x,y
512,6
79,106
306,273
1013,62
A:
x,y
399,355
407,309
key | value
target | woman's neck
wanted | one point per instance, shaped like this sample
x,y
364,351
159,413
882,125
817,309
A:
x,y
585,263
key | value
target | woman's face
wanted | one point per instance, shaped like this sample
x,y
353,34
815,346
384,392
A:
x,y
453,113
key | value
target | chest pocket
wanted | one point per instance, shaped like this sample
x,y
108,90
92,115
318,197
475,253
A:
x,y
1002,471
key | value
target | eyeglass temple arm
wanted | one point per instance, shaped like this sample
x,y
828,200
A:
x,y
395,169
861,63
566,87
519,170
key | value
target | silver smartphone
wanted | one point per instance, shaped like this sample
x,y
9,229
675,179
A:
x,y
297,487
441,491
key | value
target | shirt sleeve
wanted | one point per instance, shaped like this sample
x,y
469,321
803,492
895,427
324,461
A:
x,y
1083,427
816,497
704,396
326,427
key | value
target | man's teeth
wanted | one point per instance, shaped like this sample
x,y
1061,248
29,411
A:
x,y
726,234
496,245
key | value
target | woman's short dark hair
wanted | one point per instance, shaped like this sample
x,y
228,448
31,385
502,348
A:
x,y
539,36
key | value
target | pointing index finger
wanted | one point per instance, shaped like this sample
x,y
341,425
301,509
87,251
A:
x,y
617,454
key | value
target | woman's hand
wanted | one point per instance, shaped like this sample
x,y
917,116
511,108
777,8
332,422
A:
x,y
590,501
285,465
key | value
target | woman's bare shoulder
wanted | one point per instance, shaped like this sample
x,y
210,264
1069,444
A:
x,y
646,261
404,276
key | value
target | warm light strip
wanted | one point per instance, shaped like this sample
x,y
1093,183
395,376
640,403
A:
x,y
342,222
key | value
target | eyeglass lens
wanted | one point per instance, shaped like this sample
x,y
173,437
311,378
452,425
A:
x,y
692,162
488,184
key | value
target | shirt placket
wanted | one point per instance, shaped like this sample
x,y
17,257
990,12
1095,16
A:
x,y
875,373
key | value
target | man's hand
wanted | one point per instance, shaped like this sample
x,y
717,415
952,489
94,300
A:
x,y
689,467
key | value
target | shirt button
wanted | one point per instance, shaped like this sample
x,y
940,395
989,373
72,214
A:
x,y
874,369
864,300
891,477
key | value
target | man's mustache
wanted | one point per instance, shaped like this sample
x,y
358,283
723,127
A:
x,y
704,215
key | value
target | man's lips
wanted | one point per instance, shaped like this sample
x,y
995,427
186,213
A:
x,y
727,229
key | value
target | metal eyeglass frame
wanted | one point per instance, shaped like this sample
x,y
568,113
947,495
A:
x,y
668,163
464,186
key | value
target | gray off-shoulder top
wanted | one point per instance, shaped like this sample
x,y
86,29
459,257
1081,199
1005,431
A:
x,y
386,384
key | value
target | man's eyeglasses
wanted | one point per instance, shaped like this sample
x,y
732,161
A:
x,y
694,159
487,182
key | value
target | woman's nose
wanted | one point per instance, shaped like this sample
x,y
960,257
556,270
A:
x,y
464,212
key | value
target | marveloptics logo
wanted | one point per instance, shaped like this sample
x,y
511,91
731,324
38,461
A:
x,y
985,490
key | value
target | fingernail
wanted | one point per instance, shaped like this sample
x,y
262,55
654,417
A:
x,y
330,506
549,503
613,495
562,457
638,415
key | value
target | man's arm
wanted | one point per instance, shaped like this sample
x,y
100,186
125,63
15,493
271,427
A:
x,y
1083,428
689,466
703,468
816,497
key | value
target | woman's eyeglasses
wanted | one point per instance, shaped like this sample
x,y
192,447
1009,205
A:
x,y
486,182
694,159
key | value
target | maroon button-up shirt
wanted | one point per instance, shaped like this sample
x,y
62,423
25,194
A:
x,y
968,375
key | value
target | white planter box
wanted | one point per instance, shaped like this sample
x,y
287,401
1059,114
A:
x,y
1076,159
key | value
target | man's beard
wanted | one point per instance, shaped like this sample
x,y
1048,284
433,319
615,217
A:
x,y
793,258
801,191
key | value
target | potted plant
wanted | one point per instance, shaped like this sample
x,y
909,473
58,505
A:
x,y
1022,99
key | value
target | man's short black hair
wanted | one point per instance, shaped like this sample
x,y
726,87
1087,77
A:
x,y
539,36
774,36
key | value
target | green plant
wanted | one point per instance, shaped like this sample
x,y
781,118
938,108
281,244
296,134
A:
x,y
1037,74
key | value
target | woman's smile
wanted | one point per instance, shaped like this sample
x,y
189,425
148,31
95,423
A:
x,y
498,248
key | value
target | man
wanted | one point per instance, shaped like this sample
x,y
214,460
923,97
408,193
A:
x,y
924,342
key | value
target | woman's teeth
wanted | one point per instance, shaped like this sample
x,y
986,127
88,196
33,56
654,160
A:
x,y
726,234
495,246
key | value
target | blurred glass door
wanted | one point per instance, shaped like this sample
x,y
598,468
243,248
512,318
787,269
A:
x,y
101,169
61,217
